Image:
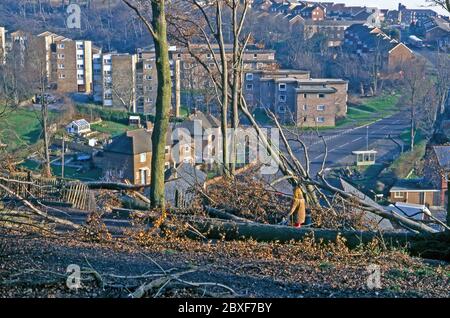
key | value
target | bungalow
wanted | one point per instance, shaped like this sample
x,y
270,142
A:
x,y
78,127
415,191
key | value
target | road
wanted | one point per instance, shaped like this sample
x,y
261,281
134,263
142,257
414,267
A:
x,y
341,142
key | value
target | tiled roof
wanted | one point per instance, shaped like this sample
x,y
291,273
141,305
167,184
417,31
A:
x,y
443,156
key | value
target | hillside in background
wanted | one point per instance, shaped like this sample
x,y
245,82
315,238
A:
x,y
111,27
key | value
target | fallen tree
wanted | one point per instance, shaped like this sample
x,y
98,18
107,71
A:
x,y
435,246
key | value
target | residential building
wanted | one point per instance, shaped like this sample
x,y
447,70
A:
x,y
73,66
437,32
415,191
147,82
334,30
370,15
128,157
412,16
370,42
296,98
196,87
315,13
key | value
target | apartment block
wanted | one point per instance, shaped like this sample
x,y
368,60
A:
x,y
196,87
73,66
296,98
146,82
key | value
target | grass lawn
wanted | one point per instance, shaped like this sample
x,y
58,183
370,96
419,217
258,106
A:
x,y
405,136
21,128
69,172
110,127
370,110
406,162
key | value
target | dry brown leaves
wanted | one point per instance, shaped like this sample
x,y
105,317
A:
x,y
249,198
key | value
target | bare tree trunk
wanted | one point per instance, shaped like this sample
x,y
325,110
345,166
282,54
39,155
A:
x,y
224,79
235,88
158,30
163,104
47,172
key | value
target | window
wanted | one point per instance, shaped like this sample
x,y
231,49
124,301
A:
x,y
62,76
61,56
149,77
149,100
107,61
80,57
249,76
282,98
80,76
305,107
305,96
80,46
108,96
249,87
321,95
320,108
282,87
143,157
320,119
208,56
255,56
61,46
148,66
167,150
281,109
398,195
61,66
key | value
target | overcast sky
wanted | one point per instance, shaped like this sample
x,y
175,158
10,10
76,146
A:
x,y
387,4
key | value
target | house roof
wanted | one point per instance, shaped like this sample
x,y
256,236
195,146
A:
x,y
197,122
443,156
315,89
414,211
80,122
132,142
419,185
383,224
183,178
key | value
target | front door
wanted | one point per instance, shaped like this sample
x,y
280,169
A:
x,y
143,176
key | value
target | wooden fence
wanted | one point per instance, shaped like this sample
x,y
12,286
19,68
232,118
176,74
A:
x,y
51,190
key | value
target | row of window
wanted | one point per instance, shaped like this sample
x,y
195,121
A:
x,y
62,46
79,76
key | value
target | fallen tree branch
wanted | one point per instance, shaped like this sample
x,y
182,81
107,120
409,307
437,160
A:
x,y
39,212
